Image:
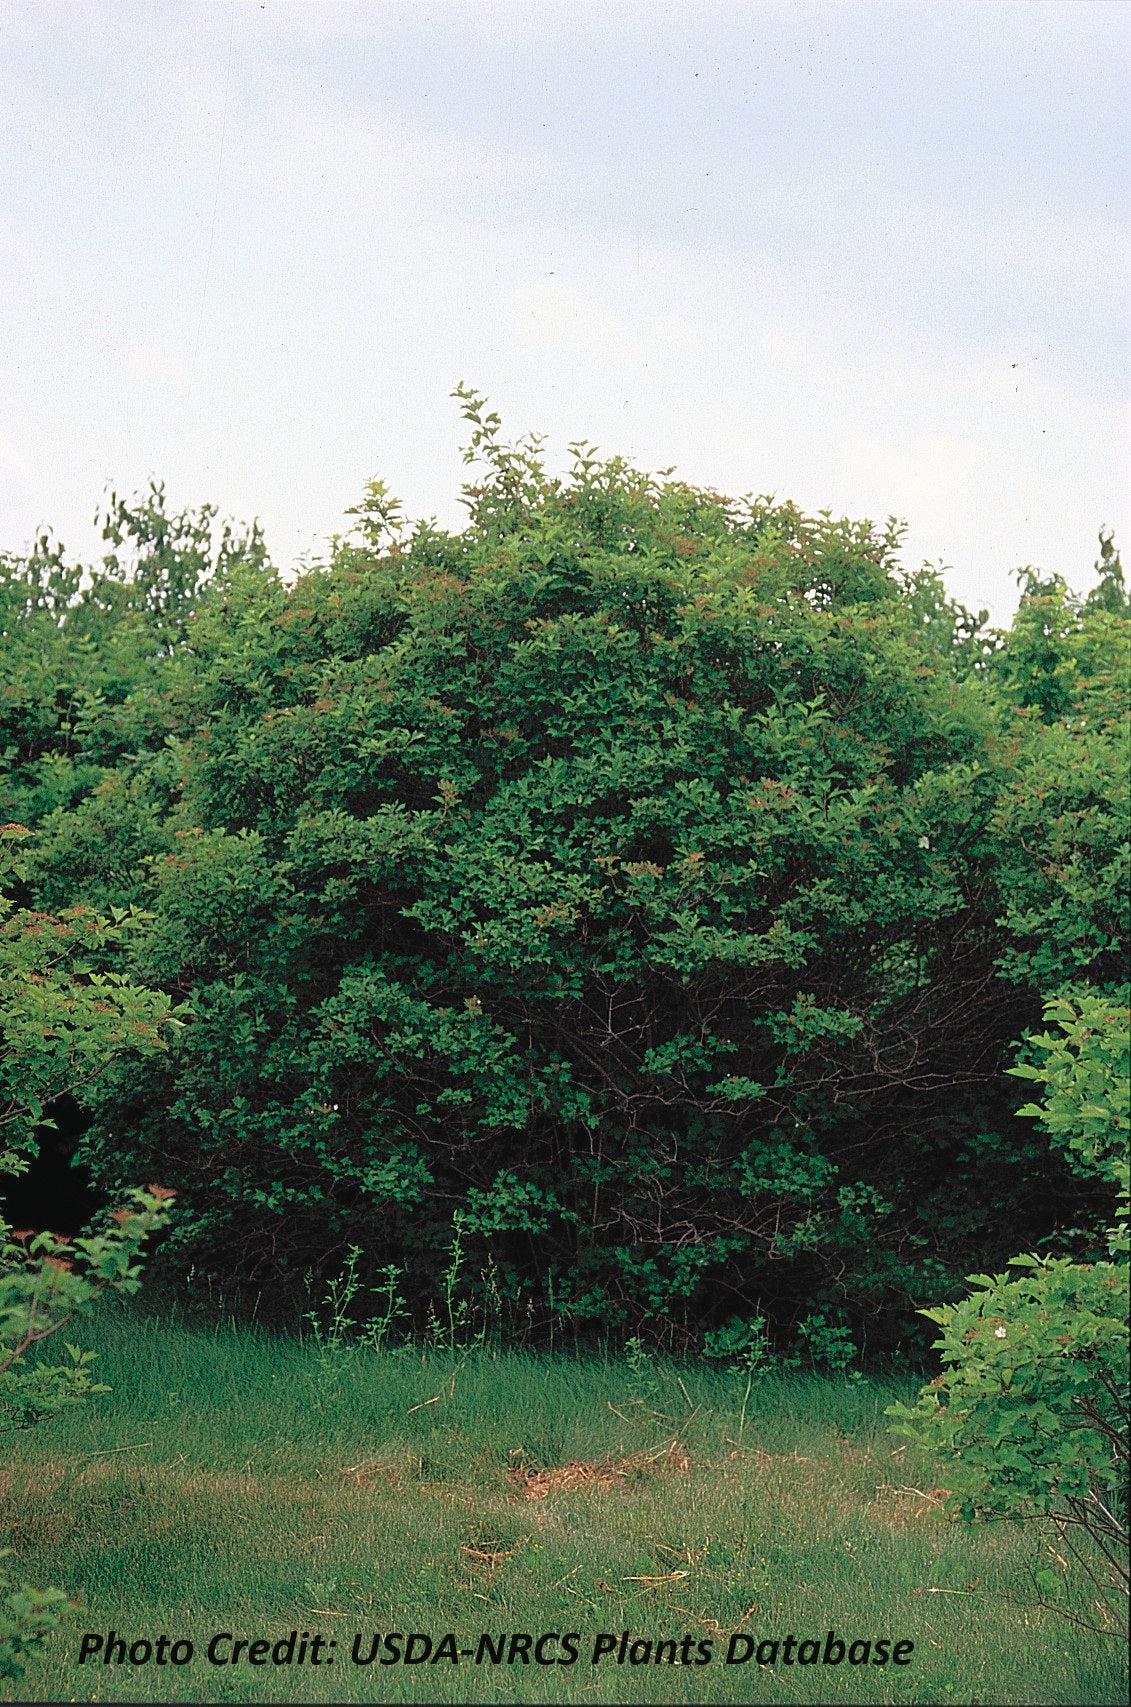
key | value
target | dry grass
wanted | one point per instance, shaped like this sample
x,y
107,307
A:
x,y
566,1478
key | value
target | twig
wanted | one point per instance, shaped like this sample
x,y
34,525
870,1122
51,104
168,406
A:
x,y
106,1451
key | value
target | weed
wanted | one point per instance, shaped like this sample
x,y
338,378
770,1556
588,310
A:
x,y
643,1385
379,1328
748,1344
823,1344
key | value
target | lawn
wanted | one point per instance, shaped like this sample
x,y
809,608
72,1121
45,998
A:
x,y
238,1482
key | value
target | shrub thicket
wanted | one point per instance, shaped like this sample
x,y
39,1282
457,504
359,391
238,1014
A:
x,y
650,886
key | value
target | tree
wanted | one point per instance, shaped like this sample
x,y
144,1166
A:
x,y
1110,591
89,658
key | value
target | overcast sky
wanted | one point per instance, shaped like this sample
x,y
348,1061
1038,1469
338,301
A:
x,y
868,256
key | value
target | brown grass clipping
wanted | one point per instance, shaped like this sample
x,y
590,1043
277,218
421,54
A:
x,y
602,1476
908,1505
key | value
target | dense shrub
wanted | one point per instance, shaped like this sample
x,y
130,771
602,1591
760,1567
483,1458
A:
x,y
655,882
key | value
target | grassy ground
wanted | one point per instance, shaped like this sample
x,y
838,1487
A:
x,y
233,1482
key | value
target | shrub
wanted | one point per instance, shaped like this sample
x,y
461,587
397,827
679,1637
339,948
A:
x,y
1032,1405
45,1283
1086,1072
654,880
27,1616
61,1023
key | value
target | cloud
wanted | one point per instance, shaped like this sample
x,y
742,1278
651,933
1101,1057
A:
x,y
294,144
553,317
14,465
159,364
332,212
923,475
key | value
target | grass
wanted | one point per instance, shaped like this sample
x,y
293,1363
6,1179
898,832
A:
x,y
239,1482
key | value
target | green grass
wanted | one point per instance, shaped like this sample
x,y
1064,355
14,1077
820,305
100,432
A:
x,y
233,1481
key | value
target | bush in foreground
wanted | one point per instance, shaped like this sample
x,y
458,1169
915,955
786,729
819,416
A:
x,y
1032,1406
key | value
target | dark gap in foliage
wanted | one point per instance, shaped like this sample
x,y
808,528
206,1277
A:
x,y
54,1192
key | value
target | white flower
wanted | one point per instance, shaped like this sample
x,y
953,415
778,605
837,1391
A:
x,y
924,841
999,1333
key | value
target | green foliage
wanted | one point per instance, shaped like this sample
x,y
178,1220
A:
x,y
1032,1405
1110,591
45,1283
1062,820
643,1383
1065,870
88,653
825,1344
747,1342
1065,656
27,1616
1086,1071
61,1020
654,881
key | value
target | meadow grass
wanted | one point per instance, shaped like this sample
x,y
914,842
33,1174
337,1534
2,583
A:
x,y
236,1481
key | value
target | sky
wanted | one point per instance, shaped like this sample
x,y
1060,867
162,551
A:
x,y
870,257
